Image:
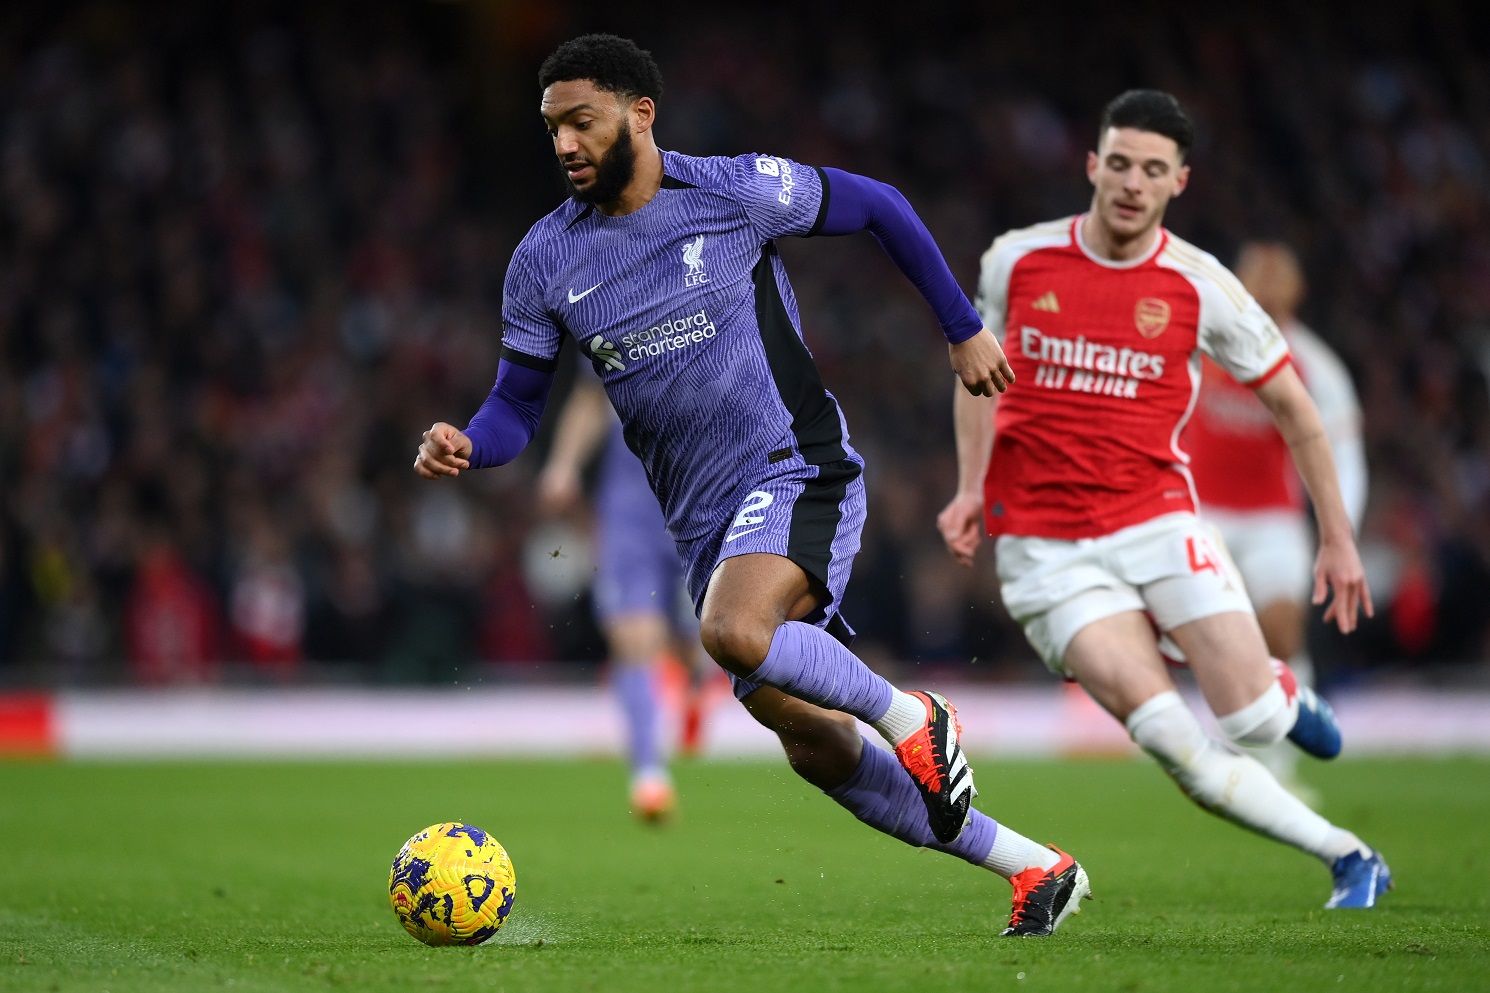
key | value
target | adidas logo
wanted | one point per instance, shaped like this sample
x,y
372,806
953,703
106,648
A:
x,y
1048,302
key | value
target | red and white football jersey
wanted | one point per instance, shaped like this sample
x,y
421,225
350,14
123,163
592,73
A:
x,y
1239,460
1107,361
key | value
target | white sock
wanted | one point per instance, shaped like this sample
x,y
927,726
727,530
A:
x,y
1013,853
904,718
1282,758
1262,722
652,774
1231,785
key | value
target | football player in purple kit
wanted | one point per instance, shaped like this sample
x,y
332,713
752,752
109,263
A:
x,y
637,589
664,268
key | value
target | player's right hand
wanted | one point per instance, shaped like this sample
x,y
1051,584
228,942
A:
x,y
981,364
445,452
961,526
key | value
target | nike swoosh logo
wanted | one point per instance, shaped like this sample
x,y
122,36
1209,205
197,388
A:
x,y
741,534
577,297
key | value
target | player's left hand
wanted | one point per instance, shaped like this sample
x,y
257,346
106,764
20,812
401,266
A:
x,y
1339,568
981,364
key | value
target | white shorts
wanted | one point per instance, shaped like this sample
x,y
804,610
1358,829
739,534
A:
x,y
1272,549
1174,568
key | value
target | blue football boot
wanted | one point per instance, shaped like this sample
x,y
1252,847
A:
x,y
1315,730
1359,880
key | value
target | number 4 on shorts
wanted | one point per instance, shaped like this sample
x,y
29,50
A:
x,y
1202,556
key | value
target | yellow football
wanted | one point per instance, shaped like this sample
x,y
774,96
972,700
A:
x,y
452,884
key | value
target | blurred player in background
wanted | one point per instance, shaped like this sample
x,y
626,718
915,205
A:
x,y
664,268
1081,478
637,589
1248,487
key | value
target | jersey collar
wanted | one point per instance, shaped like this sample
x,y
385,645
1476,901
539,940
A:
x,y
1158,247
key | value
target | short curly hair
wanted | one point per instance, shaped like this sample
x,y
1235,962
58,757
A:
x,y
616,65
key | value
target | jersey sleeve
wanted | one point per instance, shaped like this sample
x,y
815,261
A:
x,y
992,298
528,327
781,197
1235,330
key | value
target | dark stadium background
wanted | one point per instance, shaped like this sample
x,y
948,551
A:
x,y
248,252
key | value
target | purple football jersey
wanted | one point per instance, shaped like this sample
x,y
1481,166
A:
x,y
684,309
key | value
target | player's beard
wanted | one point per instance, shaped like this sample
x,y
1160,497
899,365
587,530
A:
x,y
613,173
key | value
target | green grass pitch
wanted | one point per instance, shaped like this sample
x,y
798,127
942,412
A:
x,y
272,876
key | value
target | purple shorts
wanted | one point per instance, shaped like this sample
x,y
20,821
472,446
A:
x,y
812,515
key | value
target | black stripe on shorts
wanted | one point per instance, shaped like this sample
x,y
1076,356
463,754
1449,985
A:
x,y
815,518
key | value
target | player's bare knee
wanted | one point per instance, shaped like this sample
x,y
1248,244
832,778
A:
x,y
738,641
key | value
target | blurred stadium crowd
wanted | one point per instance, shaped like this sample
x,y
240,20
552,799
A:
x,y
249,252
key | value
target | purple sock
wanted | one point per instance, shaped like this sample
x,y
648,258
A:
x,y
812,665
632,683
881,794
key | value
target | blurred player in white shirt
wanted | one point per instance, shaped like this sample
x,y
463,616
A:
x,y
1247,484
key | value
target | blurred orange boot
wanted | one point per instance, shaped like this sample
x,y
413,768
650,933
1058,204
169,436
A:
x,y
653,798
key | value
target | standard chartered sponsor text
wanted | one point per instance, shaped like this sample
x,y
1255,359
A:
x,y
671,335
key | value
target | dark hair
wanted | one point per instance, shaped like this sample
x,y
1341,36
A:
x,y
614,64
1150,110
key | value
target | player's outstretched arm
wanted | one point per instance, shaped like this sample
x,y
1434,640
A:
x,y
1338,566
858,203
500,430
961,520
